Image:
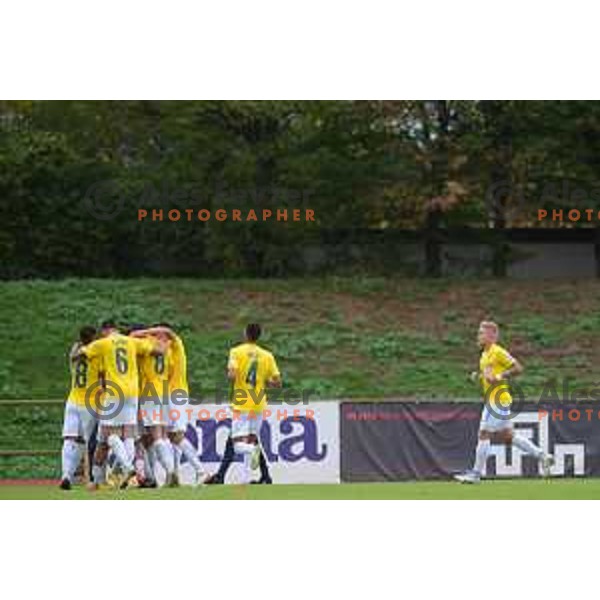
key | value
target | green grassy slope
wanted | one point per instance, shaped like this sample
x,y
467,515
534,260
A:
x,y
556,489
358,338
338,337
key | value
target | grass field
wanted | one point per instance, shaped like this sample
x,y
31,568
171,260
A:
x,y
554,489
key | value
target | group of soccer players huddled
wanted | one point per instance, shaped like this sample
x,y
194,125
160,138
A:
x,y
130,394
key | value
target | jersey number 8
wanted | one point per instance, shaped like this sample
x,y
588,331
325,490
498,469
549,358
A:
x,y
81,369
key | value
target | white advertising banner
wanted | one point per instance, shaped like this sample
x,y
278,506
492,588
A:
x,y
301,443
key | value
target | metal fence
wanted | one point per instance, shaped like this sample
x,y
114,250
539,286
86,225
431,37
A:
x,y
30,444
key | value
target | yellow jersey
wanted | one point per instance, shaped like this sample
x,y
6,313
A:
x,y
154,375
255,367
177,361
119,356
85,374
494,361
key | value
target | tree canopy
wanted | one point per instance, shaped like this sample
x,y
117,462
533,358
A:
x,y
357,164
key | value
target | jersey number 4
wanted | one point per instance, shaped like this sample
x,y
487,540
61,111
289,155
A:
x,y
251,377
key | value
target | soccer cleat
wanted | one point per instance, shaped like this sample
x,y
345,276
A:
x,y
65,484
547,463
172,481
468,477
113,480
128,480
262,481
199,478
148,484
214,479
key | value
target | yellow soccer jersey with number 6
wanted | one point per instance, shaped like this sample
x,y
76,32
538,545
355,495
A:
x,y
119,356
495,360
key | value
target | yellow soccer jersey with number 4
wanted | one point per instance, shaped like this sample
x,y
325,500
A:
x,y
495,360
255,367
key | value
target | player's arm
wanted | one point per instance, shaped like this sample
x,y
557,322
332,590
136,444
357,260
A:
x,y
159,346
232,366
150,345
510,366
154,331
275,375
516,368
74,352
93,350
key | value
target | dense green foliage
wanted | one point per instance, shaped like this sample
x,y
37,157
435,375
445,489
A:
x,y
357,164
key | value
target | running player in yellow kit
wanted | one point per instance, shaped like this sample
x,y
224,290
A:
x,y
251,369
79,422
496,365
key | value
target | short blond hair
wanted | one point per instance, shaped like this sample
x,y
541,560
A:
x,y
490,325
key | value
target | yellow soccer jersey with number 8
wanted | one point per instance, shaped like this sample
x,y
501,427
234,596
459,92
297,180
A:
x,y
85,375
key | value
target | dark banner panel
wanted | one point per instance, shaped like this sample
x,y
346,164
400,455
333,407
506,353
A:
x,y
391,441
